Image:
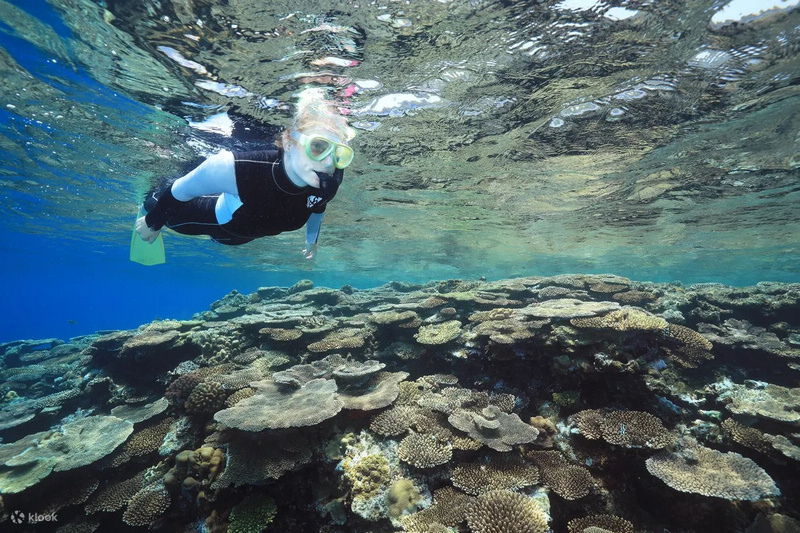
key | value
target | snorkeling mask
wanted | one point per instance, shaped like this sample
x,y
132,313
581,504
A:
x,y
318,148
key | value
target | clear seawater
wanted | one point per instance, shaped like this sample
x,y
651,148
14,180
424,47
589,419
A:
x,y
654,140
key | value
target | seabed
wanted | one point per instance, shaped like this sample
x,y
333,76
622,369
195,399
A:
x,y
572,403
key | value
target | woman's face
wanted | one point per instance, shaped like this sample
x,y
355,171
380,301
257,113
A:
x,y
299,166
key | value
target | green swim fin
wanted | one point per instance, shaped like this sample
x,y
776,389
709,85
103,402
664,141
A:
x,y
146,253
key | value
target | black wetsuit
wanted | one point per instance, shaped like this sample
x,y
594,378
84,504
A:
x,y
271,203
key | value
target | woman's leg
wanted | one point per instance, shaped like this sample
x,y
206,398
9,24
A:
x,y
196,217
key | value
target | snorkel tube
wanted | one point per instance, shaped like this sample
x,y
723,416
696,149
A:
x,y
329,183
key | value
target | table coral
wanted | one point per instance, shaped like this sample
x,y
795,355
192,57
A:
x,y
274,407
600,522
448,510
497,472
496,429
435,334
624,428
569,481
763,400
709,472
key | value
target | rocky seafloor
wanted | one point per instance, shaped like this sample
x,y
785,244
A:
x,y
575,403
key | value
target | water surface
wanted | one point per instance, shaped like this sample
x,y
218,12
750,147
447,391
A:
x,y
654,140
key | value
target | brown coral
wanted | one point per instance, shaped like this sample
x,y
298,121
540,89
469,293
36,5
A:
x,y
273,407
499,472
448,510
143,441
182,387
343,339
251,460
692,348
747,436
634,297
631,429
379,392
239,395
624,319
424,451
206,398
601,522
435,334
393,317
147,506
394,421
115,495
701,470
282,334
451,399
496,429
501,511
547,431
237,379
569,481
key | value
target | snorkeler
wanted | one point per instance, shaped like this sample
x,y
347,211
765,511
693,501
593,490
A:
x,y
236,197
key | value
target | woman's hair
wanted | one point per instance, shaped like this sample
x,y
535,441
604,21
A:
x,y
316,111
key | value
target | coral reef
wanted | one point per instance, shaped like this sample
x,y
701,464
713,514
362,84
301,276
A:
x,y
580,403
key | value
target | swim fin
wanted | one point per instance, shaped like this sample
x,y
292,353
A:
x,y
147,253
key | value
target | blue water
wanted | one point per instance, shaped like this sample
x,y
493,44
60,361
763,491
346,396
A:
x,y
91,114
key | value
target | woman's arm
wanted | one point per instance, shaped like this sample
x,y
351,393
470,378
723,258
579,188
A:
x,y
312,234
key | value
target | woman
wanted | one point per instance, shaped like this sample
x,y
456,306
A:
x,y
235,197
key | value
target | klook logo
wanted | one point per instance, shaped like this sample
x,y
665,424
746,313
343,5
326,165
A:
x,y
18,517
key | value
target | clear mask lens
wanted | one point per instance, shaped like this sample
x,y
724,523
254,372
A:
x,y
318,148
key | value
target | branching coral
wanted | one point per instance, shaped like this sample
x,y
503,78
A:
x,y
147,506
252,515
424,451
501,511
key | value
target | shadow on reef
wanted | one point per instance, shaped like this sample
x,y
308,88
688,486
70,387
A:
x,y
571,403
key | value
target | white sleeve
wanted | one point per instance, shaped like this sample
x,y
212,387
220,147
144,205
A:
x,y
215,175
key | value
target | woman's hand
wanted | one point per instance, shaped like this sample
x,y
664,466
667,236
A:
x,y
145,232
310,250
